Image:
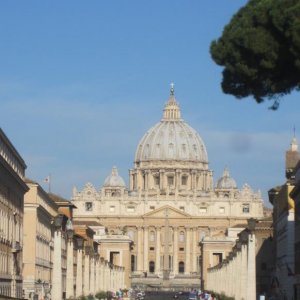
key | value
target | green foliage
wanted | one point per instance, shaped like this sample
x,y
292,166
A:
x,y
90,297
260,50
101,295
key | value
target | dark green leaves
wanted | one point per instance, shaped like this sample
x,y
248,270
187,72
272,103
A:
x,y
260,50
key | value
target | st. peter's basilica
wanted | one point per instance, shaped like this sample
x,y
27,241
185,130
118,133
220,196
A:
x,y
173,217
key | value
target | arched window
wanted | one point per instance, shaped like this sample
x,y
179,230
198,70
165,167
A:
x,y
181,236
184,180
181,267
151,266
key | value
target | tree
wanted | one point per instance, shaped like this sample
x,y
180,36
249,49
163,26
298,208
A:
x,y
260,50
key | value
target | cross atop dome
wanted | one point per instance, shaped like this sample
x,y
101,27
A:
x,y
172,89
172,109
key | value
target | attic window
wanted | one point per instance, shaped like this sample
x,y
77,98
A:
x,y
156,180
88,206
184,180
181,208
246,208
130,209
170,180
202,209
152,207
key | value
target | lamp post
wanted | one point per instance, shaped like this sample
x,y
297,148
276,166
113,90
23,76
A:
x,y
58,219
251,224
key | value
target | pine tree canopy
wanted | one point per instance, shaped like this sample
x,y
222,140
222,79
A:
x,y
260,50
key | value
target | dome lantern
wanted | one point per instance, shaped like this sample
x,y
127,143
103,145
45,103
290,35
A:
x,y
172,109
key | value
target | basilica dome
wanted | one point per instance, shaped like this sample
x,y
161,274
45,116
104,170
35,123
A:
x,y
171,138
226,182
114,179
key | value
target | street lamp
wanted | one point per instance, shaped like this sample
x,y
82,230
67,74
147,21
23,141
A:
x,y
58,219
238,245
244,237
69,229
79,241
251,224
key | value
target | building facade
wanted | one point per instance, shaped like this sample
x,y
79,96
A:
x,y
284,228
170,205
39,212
12,190
295,194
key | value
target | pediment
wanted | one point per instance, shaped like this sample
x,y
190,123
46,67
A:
x,y
173,213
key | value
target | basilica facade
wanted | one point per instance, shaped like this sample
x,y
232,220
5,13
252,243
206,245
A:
x,y
170,206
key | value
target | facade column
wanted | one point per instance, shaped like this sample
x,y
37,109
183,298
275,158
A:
x,y
175,251
86,289
102,287
92,277
146,180
162,179
79,273
146,249
97,271
251,286
140,250
57,271
244,281
107,276
70,269
157,251
194,251
178,180
131,175
187,252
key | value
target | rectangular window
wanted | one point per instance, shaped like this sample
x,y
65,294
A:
x,y
156,180
88,206
130,209
184,180
217,258
152,248
181,249
181,208
170,180
221,210
112,208
202,210
246,208
152,207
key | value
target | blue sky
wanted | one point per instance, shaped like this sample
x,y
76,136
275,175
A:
x,y
82,81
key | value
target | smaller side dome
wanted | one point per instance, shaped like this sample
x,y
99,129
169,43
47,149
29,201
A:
x,y
226,182
114,180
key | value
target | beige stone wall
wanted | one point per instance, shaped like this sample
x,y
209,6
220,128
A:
x,y
12,190
39,212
